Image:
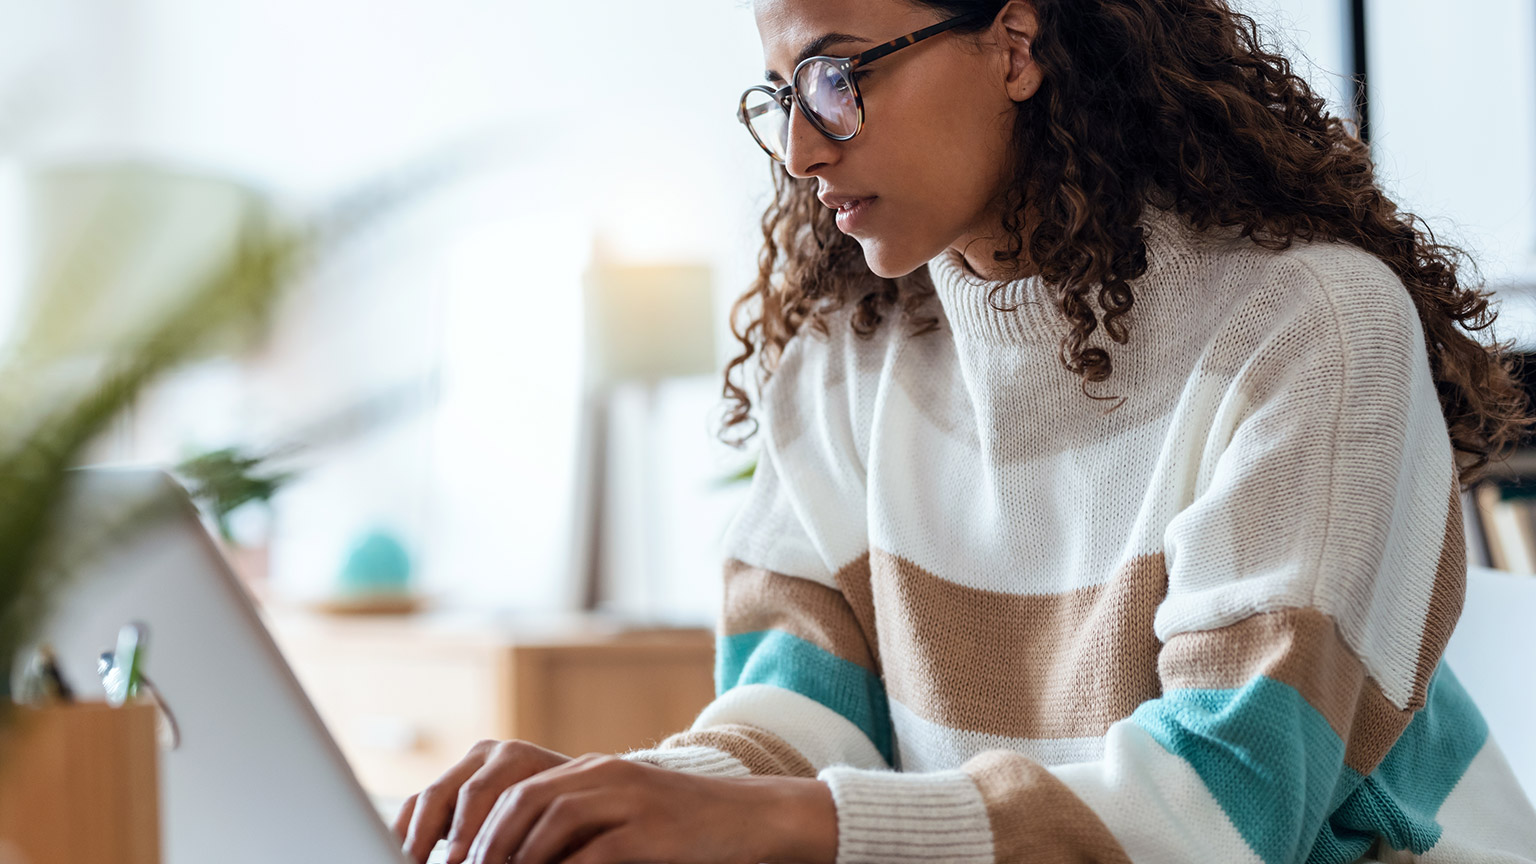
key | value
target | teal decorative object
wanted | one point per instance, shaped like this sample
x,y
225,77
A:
x,y
377,564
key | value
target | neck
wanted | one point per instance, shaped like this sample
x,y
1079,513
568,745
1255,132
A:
x,y
983,266
976,248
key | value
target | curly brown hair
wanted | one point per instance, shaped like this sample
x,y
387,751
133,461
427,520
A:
x,y
1169,100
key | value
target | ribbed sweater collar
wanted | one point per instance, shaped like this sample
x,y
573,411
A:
x,y
1036,318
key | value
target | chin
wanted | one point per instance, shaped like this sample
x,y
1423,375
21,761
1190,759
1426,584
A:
x,y
886,261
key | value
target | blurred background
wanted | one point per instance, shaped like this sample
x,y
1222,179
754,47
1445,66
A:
x,y
470,311
504,398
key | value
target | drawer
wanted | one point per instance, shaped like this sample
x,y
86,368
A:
x,y
403,715
612,697
406,699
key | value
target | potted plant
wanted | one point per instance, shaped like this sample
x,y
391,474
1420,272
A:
x,y
228,480
64,380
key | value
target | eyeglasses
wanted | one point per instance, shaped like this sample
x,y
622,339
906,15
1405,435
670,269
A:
x,y
827,91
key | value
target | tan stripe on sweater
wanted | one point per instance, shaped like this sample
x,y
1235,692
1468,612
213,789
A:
x,y
1298,647
1303,649
854,581
758,599
1024,666
1445,598
761,751
1035,817
1376,727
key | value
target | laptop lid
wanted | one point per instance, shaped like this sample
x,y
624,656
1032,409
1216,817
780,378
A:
x,y
256,778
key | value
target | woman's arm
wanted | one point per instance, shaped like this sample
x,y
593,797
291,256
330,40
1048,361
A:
x,y
1314,569
797,690
597,809
797,679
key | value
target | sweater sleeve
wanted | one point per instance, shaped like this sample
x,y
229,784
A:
x,y
1314,575
796,680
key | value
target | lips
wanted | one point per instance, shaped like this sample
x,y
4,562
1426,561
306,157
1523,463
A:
x,y
854,214
842,202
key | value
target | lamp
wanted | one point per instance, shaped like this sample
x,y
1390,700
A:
x,y
644,323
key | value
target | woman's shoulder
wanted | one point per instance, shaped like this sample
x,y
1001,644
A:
x,y
1353,298
1233,312
830,371
1320,291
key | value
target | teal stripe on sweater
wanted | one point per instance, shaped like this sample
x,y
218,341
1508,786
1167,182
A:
x,y
1400,799
1267,756
1277,769
783,660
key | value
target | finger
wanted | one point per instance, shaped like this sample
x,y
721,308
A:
x,y
506,767
434,807
568,823
519,805
402,822
477,849
434,804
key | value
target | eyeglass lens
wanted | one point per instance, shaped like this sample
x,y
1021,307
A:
x,y
768,121
825,92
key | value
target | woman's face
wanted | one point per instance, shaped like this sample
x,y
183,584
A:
x,y
935,146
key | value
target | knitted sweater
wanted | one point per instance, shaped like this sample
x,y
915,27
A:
x,y
1003,624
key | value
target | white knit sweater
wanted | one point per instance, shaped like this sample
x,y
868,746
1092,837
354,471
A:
x,y
1005,624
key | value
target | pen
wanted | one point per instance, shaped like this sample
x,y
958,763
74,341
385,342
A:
x,y
41,681
122,678
48,666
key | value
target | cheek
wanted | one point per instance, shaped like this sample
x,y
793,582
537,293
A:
x,y
977,134
942,173
924,137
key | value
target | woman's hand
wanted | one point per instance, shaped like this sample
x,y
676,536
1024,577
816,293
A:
x,y
456,805
599,809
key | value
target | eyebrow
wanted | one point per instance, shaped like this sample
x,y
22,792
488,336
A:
x,y
819,45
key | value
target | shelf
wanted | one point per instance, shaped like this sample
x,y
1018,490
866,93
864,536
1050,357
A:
x,y
1520,466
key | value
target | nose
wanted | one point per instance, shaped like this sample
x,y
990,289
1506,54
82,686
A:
x,y
806,150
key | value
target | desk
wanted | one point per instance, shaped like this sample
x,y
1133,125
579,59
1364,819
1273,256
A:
x,y
407,696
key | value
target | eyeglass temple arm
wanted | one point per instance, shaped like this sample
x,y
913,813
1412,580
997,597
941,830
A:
x,y
897,44
746,114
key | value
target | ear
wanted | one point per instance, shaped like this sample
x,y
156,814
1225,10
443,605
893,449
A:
x,y
1015,27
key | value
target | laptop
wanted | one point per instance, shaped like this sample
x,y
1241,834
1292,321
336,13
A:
x,y
256,777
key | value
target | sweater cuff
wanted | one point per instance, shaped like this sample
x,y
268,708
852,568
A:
x,y
691,760
885,816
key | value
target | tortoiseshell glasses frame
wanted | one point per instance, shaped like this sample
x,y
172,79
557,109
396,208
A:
x,y
838,69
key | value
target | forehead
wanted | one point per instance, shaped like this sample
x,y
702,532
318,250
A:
x,y
787,26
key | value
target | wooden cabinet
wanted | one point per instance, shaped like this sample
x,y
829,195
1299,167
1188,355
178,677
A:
x,y
407,696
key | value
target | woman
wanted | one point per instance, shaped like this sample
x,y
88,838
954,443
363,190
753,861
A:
x,y
1178,594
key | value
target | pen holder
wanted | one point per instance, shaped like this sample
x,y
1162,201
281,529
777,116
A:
x,y
80,783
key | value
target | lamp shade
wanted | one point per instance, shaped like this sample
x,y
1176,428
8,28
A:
x,y
647,321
